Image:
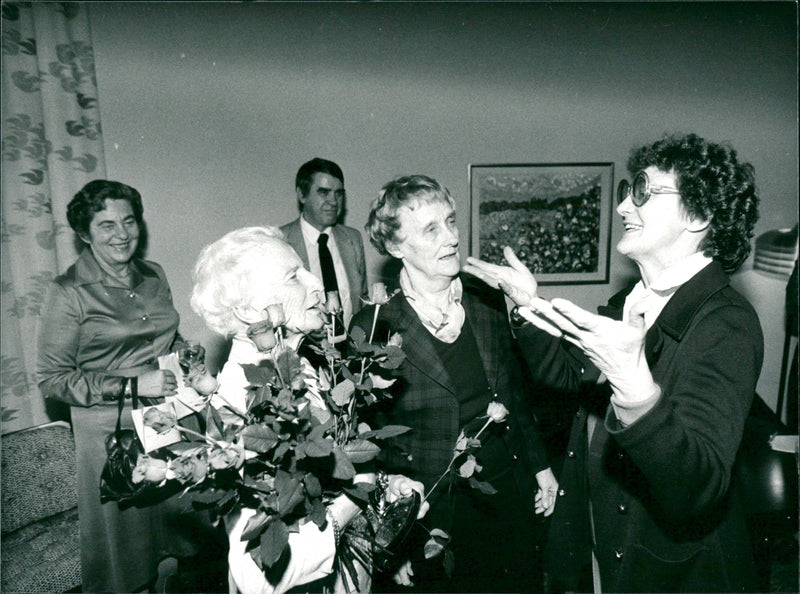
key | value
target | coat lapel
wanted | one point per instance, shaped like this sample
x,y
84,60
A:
x,y
417,341
486,335
679,312
347,252
294,237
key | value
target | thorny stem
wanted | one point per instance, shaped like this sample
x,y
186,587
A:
x,y
452,461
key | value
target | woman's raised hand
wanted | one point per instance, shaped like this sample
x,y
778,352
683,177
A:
x,y
515,280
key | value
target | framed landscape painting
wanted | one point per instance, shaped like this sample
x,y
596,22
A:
x,y
556,218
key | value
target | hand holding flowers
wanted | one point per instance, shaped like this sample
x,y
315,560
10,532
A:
x,y
296,444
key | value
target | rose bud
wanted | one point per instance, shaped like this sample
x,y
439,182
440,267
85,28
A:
x,y
201,380
276,314
152,470
497,412
263,335
188,468
230,457
333,305
378,294
396,340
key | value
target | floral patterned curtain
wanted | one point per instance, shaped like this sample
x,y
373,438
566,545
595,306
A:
x,y
51,146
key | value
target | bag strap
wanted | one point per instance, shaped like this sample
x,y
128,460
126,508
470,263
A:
x,y
133,383
121,405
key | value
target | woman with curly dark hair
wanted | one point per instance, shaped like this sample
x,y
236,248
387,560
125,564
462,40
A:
x,y
664,377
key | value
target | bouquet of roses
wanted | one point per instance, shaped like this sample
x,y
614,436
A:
x,y
297,444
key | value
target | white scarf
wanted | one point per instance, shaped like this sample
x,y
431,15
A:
x,y
663,288
444,323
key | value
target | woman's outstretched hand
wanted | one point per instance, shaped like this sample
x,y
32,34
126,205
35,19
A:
x,y
515,280
616,348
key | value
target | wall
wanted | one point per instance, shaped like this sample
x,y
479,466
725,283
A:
x,y
208,109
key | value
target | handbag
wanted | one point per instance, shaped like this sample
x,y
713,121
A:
x,y
123,450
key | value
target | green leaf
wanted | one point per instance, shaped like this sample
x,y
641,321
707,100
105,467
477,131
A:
x,y
449,563
282,448
259,375
381,382
214,424
366,385
319,448
467,469
358,493
259,438
438,533
358,335
313,486
289,490
394,357
368,349
343,468
258,395
386,432
255,526
342,392
289,365
361,450
273,542
433,548
318,513
345,371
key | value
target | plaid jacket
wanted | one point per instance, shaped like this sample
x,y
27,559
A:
x,y
425,399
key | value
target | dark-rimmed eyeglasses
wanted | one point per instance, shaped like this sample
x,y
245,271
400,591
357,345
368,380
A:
x,y
641,190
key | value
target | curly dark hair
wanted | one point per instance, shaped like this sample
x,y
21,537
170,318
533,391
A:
x,y
91,199
714,185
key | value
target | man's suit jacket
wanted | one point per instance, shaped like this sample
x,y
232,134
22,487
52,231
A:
x,y
665,519
351,249
424,396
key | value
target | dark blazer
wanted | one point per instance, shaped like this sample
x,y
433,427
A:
x,y
351,248
665,519
425,398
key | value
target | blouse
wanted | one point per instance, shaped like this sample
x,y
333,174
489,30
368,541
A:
x,y
94,331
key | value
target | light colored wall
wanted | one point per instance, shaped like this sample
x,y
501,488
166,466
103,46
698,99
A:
x,y
208,109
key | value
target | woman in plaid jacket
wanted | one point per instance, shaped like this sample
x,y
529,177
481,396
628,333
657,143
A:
x,y
459,357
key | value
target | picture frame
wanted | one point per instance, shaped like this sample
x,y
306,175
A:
x,y
555,216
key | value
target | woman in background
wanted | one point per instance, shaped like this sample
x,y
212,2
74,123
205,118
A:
x,y
108,319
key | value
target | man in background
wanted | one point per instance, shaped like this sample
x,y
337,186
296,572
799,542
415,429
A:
x,y
329,249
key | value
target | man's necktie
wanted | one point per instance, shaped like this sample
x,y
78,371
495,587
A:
x,y
326,263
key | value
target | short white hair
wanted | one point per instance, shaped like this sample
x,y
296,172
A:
x,y
225,271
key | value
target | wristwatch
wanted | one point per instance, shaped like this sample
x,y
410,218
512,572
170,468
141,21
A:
x,y
516,319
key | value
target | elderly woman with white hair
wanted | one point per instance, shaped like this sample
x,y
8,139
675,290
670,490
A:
x,y
236,280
